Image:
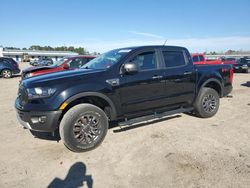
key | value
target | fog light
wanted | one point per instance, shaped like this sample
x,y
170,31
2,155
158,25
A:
x,y
39,119
42,119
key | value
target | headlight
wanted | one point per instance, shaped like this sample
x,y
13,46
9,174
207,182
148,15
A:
x,y
28,75
40,92
245,65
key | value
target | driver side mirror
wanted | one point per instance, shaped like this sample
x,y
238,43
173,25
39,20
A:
x,y
130,68
65,66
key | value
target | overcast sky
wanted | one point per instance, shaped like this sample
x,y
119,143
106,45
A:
x,y
102,25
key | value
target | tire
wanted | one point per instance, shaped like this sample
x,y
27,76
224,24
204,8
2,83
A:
x,y
76,130
246,71
6,73
207,103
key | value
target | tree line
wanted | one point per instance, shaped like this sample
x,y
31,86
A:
x,y
79,50
228,52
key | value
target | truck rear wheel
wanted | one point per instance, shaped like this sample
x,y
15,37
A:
x,y
207,103
83,127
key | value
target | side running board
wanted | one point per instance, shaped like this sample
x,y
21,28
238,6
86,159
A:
x,y
155,116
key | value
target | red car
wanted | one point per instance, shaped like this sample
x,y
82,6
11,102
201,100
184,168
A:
x,y
67,63
200,59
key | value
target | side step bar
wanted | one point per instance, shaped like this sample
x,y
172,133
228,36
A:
x,y
154,116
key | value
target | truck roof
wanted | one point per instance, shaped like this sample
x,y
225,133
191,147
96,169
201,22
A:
x,y
154,46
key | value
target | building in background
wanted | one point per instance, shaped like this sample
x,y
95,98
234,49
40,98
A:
x,y
27,55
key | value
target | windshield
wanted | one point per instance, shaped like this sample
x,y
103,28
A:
x,y
61,61
106,60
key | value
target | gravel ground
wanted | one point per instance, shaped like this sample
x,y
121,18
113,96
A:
x,y
181,151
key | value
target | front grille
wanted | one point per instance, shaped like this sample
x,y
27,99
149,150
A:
x,y
22,95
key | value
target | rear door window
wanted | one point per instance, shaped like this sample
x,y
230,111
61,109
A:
x,y
174,58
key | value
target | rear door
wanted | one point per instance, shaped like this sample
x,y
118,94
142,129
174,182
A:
x,y
180,77
144,90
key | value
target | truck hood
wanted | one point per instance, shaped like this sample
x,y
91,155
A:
x,y
34,69
61,77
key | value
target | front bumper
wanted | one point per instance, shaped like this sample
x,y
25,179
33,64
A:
x,y
31,120
240,68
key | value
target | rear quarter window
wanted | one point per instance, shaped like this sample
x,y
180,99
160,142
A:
x,y
174,58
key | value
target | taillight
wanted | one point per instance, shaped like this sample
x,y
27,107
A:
x,y
231,74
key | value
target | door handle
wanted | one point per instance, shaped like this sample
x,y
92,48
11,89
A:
x,y
157,77
187,73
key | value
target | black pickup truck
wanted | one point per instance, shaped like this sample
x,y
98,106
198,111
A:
x,y
126,85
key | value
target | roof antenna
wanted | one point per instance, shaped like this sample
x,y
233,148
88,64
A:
x,y
165,42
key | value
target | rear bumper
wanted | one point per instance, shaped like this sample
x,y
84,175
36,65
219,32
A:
x,y
227,90
39,121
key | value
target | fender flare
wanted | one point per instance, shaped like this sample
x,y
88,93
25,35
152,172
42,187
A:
x,y
95,94
213,80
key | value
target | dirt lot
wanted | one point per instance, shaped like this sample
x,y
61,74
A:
x,y
182,151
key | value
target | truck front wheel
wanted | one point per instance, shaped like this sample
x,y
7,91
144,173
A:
x,y
207,103
83,127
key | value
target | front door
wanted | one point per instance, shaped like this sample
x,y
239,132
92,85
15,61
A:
x,y
145,89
